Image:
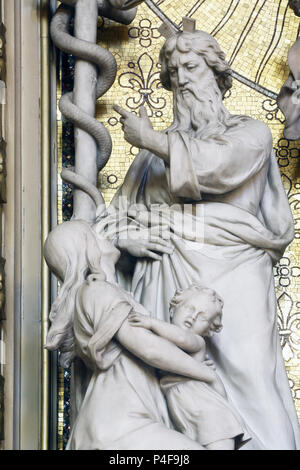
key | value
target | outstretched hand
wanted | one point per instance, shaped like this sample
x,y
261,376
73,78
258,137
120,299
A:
x,y
135,127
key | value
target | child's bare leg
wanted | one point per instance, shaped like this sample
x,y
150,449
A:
x,y
226,444
161,353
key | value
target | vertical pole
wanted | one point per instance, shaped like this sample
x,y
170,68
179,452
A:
x,y
86,18
45,217
53,366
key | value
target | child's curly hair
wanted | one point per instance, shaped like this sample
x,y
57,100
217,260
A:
x,y
183,294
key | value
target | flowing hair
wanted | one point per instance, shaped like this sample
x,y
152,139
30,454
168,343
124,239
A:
x,y
204,45
71,252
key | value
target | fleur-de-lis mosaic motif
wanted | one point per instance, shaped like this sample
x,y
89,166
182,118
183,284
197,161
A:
x,y
288,326
287,274
144,82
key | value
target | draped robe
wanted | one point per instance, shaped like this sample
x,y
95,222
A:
x,y
123,407
243,225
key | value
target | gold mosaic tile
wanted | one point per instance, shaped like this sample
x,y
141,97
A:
x,y
255,35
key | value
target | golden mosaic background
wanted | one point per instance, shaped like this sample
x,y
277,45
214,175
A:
x,y
256,37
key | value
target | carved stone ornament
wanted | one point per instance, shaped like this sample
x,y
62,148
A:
x,y
179,265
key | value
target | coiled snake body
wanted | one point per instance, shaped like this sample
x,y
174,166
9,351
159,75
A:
x,y
107,69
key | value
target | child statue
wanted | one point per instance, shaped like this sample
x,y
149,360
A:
x,y
198,410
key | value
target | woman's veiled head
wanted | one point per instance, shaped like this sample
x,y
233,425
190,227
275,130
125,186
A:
x,y
72,250
70,247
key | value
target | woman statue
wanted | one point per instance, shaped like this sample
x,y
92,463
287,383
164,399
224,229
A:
x,y
123,407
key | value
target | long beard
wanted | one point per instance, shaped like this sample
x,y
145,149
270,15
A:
x,y
202,114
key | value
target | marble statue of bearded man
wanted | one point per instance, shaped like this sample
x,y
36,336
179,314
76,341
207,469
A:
x,y
212,180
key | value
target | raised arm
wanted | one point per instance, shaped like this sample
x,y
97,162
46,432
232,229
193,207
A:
x,y
138,131
185,340
202,166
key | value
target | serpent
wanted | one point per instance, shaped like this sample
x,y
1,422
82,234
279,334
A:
x,y
121,11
